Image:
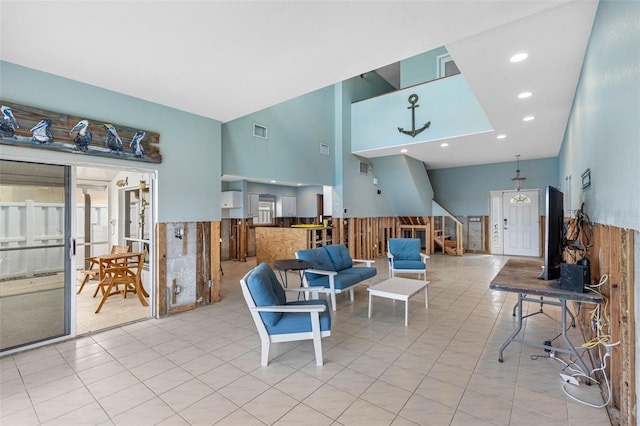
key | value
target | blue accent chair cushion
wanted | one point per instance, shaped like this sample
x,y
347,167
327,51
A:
x,y
339,256
296,322
408,264
405,249
264,292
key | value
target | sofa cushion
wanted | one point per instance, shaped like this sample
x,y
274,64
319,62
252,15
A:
x,y
319,258
296,322
261,287
409,264
405,248
364,272
339,256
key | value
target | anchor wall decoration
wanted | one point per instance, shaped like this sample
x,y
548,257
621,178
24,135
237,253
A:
x,y
413,100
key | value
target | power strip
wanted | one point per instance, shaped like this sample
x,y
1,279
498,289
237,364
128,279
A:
x,y
569,379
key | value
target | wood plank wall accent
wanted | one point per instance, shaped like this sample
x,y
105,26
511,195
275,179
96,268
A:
x,y
207,266
203,263
238,239
487,232
366,238
611,253
214,262
161,281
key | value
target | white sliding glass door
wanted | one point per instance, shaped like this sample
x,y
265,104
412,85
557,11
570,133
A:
x,y
35,266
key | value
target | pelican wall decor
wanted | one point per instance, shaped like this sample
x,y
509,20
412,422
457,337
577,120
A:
x,y
43,129
83,137
40,132
9,124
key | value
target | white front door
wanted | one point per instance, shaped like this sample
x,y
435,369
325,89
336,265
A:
x,y
521,223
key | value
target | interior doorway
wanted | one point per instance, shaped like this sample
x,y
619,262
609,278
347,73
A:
x,y
114,207
515,223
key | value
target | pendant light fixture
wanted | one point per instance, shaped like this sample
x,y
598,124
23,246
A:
x,y
518,180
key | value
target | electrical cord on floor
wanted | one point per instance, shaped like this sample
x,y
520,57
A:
x,y
574,369
606,381
601,325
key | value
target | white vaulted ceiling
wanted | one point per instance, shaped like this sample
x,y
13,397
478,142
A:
x,y
227,59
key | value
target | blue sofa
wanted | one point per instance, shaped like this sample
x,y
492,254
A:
x,y
334,270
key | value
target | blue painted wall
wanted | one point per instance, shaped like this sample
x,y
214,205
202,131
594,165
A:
x,y
307,200
465,190
442,102
296,128
420,68
189,144
404,184
355,192
603,133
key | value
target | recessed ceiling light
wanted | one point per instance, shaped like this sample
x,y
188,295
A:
x,y
444,144
403,150
502,136
524,95
528,118
299,184
272,181
518,57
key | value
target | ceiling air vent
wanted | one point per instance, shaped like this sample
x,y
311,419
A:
x,y
364,168
259,131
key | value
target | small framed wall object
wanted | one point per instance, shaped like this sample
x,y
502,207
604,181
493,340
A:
x,y
586,179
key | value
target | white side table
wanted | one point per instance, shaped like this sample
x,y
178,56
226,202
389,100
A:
x,y
399,289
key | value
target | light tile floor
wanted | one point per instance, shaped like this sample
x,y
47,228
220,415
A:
x,y
202,367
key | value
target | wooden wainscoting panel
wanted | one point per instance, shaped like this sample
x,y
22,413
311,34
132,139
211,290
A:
x,y
161,281
203,262
611,254
215,266
627,328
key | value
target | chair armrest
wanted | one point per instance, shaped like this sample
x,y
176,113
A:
x,y
320,272
424,256
304,289
389,255
290,308
314,290
368,262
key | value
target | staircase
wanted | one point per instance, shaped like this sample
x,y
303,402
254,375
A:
x,y
448,245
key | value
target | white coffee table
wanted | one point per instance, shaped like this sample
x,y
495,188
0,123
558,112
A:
x,y
399,289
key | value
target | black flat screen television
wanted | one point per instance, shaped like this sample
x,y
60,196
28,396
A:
x,y
553,229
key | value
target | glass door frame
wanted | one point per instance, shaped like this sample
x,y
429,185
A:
x,y
69,258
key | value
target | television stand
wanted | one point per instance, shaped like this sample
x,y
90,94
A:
x,y
541,311
519,276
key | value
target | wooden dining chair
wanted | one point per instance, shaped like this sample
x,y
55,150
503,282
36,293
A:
x,y
93,271
134,273
128,274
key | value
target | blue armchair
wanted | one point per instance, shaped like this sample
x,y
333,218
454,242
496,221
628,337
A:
x,y
280,321
405,257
